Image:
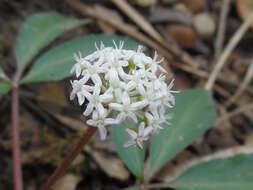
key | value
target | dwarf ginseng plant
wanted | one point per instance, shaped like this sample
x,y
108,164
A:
x,y
36,33
126,96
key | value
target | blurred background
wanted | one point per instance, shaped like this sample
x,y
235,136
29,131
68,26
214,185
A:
x,y
190,34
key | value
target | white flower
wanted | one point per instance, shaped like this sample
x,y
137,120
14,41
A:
x,y
79,89
101,121
155,64
138,138
124,84
78,67
140,59
156,119
126,108
96,100
137,80
114,67
92,71
149,95
168,99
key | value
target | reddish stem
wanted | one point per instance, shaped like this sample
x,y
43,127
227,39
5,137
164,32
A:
x,y
17,172
70,157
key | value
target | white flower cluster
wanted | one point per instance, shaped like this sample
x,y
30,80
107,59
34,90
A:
x,y
122,83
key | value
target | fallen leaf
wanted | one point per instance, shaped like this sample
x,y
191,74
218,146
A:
x,y
244,8
111,164
67,182
204,25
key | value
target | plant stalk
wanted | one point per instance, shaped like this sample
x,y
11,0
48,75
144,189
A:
x,y
17,171
70,157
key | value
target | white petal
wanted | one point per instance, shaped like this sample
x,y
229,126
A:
x,y
118,94
132,117
139,143
72,95
147,131
113,75
149,117
122,73
171,84
116,106
155,56
129,143
141,129
154,109
85,78
106,97
96,90
73,69
141,90
125,98
131,85
139,105
87,88
100,60
96,79
81,98
110,121
95,115
78,70
89,109
121,117
131,133
123,63
87,95
101,110
102,132
162,69
92,122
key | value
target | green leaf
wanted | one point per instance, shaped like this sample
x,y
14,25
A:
x,y
133,157
4,88
38,31
235,173
2,75
56,64
193,114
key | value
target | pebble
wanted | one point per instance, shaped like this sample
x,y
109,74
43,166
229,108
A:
x,y
204,25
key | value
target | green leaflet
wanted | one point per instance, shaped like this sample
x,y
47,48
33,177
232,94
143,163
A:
x,y
234,173
133,157
56,63
4,87
38,31
193,114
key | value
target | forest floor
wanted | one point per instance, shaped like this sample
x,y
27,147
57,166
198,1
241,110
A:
x,y
198,32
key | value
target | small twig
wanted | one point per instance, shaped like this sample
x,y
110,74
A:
x,y
227,124
243,86
17,171
138,19
235,112
227,51
147,27
222,28
70,157
131,31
